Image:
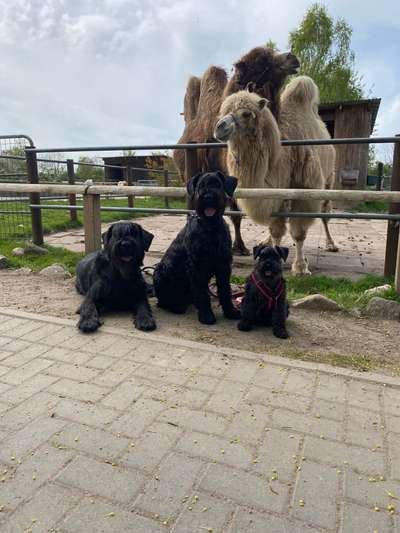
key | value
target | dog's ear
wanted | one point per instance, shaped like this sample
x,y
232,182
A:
x,y
106,236
147,238
283,251
192,184
257,250
230,183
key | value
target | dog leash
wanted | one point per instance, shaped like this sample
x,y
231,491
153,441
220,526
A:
x,y
272,299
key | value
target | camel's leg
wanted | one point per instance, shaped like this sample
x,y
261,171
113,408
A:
x,y
238,247
298,228
277,230
330,243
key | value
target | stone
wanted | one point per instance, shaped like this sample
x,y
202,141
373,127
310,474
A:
x,y
23,271
18,252
31,248
377,290
384,309
55,271
316,302
3,262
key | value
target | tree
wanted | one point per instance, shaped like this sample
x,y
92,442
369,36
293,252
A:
x,y
322,45
86,172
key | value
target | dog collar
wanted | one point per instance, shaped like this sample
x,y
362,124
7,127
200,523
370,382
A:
x,y
271,296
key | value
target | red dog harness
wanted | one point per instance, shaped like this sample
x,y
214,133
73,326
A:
x,y
271,296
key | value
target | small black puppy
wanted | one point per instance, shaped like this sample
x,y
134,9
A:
x,y
264,302
201,250
112,279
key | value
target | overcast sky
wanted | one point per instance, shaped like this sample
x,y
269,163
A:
x,y
92,72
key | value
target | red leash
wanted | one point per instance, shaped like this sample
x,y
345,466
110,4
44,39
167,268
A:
x,y
271,297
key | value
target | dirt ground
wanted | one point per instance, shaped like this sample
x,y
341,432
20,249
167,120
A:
x,y
336,338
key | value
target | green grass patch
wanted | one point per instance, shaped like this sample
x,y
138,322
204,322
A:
x,y
370,207
37,262
345,292
59,220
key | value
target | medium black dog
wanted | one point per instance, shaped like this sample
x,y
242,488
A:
x,y
201,250
264,302
111,279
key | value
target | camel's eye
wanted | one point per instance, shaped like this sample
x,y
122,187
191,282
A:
x,y
246,114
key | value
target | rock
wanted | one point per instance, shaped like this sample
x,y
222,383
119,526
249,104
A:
x,y
383,309
18,252
55,271
377,290
31,248
23,271
3,262
316,302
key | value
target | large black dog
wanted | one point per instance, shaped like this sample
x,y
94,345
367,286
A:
x,y
264,302
112,279
202,249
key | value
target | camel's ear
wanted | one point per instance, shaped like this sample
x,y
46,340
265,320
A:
x,y
263,102
239,65
230,183
282,251
147,237
192,184
257,250
251,87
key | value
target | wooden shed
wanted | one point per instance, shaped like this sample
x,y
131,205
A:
x,y
351,119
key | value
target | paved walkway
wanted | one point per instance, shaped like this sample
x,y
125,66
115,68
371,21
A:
x,y
146,434
362,244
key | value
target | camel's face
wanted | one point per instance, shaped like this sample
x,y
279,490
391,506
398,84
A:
x,y
238,120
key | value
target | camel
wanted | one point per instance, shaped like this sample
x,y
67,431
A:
x,y
262,69
255,156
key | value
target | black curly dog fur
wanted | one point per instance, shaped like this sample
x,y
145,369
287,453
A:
x,y
202,249
112,279
265,302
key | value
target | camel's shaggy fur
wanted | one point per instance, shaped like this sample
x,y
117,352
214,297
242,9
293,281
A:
x,y
256,157
191,100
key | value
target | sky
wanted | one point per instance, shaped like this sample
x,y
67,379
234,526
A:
x,y
111,72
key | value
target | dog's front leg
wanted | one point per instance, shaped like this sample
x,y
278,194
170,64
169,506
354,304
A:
x,y
248,312
279,320
201,297
89,319
144,318
223,278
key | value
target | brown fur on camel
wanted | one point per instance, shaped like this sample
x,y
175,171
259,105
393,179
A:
x,y
256,157
265,71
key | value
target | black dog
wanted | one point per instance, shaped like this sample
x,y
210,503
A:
x,y
201,250
111,279
264,302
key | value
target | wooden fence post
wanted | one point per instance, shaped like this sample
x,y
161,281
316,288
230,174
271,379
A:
x,y
71,197
34,198
92,222
191,168
397,273
129,180
392,236
166,184
380,177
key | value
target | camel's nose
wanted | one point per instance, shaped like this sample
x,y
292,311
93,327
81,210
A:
x,y
224,128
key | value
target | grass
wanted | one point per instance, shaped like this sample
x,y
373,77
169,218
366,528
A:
x,y
345,292
370,207
59,220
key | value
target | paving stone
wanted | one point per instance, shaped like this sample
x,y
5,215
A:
x,y
331,388
30,387
80,391
226,397
275,455
215,449
20,357
124,395
147,452
254,522
201,382
394,449
242,371
85,413
116,374
248,423
202,514
60,338
317,488
100,361
103,479
330,410
245,488
21,415
14,345
140,416
103,517
92,441
165,375
370,493
393,424
43,511
183,396
43,331
364,428
391,399
175,478
357,518
329,429
75,371
364,395
277,398
27,328
270,376
336,453
196,420
301,383
26,371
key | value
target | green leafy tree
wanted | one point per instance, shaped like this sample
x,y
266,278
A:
x,y
322,45
87,172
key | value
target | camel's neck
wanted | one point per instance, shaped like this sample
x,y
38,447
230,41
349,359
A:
x,y
248,161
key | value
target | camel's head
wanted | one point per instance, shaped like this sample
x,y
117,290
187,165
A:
x,y
240,114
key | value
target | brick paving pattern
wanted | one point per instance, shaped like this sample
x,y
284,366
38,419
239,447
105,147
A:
x,y
120,432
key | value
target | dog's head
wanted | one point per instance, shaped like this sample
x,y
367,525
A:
x,y
269,261
208,193
125,243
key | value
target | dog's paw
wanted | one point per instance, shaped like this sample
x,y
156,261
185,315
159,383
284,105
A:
x,y
88,325
145,324
281,333
244,326
232,314
207,317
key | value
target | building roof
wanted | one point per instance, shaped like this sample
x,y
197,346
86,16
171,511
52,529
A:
x,y
371,104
